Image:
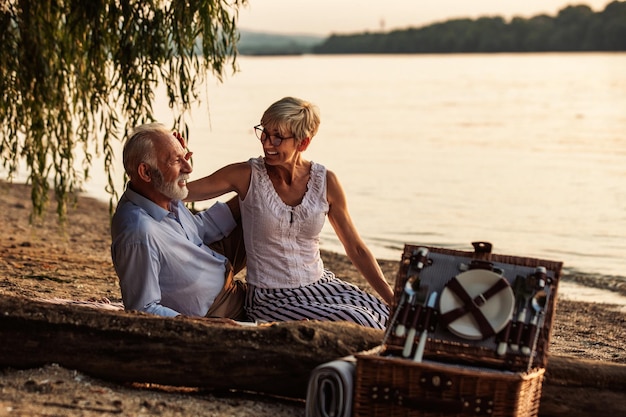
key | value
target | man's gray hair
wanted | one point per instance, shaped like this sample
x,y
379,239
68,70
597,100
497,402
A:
x,y
139,147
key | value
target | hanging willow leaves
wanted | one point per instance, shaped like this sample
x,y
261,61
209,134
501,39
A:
x,y
77,75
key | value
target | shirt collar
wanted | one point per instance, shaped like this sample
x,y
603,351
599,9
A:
x,y
155,211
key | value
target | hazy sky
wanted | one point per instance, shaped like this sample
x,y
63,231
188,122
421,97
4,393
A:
x,y
323,17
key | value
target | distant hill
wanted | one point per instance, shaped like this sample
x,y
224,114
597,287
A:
x,y
574,28
261,43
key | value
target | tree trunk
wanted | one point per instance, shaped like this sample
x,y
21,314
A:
x,y
274,359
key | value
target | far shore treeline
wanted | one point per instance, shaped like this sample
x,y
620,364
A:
x,y
574,29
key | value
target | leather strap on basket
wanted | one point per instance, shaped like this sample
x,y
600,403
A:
x,y
472,305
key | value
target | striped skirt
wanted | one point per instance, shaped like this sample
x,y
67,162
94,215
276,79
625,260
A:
x,y
329,299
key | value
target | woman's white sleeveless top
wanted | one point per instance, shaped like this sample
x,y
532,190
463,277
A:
x,y
282,242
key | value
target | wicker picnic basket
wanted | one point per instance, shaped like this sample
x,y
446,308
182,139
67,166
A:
x,y
484,347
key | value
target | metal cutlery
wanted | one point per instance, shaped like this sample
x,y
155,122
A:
x,y
410,336
430,306
504,334
526,291
411,294
522,295
525,294
538,304
420,301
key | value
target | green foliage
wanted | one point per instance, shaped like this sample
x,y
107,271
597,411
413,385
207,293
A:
x,y
575,28
77,75
260,43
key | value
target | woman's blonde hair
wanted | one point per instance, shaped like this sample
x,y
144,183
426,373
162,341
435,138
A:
x,y
292,116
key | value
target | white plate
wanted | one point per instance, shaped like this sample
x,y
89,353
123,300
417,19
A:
x,y
498,309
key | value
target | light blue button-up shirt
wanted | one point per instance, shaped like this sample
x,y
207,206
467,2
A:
x,y
162,259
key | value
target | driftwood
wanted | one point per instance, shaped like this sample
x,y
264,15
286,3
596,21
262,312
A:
x,y
580,388
133,347
274,359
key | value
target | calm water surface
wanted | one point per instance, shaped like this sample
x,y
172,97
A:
x,y
526,151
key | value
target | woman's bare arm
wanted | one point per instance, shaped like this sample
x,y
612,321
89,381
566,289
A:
x,y
357,251
234,177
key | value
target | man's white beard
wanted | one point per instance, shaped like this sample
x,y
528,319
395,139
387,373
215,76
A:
x,y
170,189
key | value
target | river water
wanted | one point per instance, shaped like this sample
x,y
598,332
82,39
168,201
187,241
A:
x,y
526,151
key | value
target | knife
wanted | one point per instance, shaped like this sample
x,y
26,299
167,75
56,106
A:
x,y
419,259
504,341
522,295
541,302
420,298
410,336
419,352
406,304
538,304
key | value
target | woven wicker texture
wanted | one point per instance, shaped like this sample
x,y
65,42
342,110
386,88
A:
x,y
458,377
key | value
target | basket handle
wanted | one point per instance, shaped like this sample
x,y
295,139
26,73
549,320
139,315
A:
x,y
483,248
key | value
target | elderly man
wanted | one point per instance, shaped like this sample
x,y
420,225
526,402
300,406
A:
x,y
169,261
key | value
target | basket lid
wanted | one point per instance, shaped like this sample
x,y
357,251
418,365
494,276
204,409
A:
x,y
488,309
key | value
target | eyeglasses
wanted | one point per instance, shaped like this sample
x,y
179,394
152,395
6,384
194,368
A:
x,y
275,140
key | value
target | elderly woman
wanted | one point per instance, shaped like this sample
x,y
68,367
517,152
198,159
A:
x,y
284,201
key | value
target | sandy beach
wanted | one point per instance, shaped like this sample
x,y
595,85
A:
x,y
45,260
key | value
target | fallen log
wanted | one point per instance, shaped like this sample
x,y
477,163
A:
x,y
134,347
579,388
274,359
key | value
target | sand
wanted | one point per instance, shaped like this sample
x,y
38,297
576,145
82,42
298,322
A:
x,y
44,260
